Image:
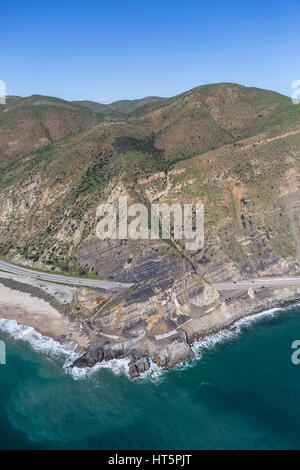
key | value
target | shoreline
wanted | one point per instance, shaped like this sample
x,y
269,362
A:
x,y
36,292
35,311
276,305
154,373
31,310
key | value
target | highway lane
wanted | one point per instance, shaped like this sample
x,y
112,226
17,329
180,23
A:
x,y
113,285
266,282
76,281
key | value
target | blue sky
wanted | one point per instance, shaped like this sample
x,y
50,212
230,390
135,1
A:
x,y
109,50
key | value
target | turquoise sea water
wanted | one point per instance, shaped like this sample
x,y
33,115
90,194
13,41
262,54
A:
x,y
241,393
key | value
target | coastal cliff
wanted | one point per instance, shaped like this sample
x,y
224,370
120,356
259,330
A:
x,y
163,327
234,149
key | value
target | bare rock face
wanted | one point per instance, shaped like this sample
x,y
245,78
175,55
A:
x,y
199,292
149,339
147,323
172,353
189,149
158,320
138,367
93,355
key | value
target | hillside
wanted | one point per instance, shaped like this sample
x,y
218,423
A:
x,y
65,160
235,149
28,124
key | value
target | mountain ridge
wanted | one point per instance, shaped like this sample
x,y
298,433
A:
x,y
232,148
117,107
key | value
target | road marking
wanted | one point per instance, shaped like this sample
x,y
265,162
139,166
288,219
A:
x,y
109,285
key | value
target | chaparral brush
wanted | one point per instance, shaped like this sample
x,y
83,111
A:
x,y
110,209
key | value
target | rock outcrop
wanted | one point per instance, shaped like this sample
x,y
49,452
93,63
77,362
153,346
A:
x,y
234,149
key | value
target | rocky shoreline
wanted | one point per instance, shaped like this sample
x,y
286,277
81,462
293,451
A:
x,y
177,348
177,314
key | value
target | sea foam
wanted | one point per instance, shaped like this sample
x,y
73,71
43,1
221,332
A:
x,y
45,345
40,343
117,366
199,347
48,346
209,342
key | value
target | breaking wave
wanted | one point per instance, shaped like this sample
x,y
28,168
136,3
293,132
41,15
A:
x,y
66,351
209,342
40,343
48,346
117,366
199,347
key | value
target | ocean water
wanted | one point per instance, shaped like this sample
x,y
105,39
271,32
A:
x,y
241,392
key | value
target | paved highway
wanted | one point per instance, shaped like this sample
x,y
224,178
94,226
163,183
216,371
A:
x,y
254,283
112,285
76,281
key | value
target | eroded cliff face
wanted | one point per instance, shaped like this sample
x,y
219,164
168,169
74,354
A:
x,y
188,149
234,149
148,321
159,321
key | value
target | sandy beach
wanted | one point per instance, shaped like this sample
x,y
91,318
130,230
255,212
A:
x,y
37,313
